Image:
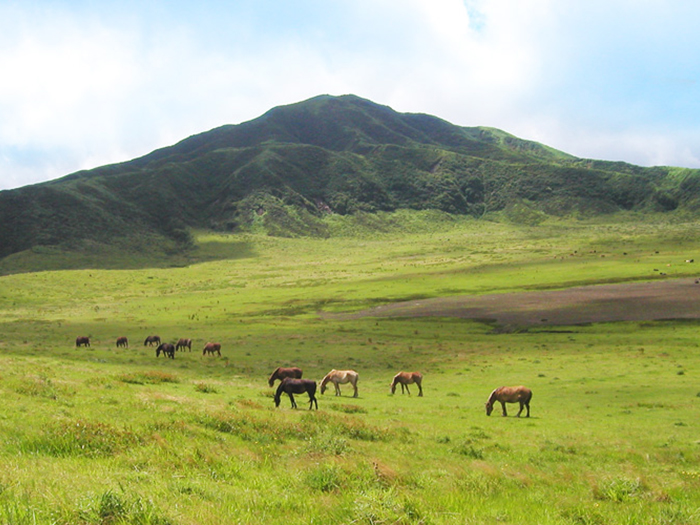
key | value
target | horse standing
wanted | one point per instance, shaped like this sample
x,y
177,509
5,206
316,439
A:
x,y
82,341
281,373
152,340
408,378
184,343
122,342
292,386
510,394
211,348
167,349
338,377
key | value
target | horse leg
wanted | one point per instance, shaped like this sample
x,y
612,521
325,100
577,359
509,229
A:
x,y
522,405
503,404
420,390
291,397
337,389
354,385
312,400
527,405
407,390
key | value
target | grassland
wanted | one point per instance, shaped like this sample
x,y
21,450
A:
x,y
106,435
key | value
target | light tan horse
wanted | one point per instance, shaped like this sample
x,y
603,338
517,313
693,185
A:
x,y
510,394
408,378
340,377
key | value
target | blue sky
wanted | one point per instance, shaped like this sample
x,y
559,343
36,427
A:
x,y
87,83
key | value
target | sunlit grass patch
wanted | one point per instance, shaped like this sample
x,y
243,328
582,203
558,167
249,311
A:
x,y
81,438
152,377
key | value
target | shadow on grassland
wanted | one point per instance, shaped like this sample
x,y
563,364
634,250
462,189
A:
x,y
144,255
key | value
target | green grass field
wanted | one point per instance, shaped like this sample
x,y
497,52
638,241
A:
x,y
111,436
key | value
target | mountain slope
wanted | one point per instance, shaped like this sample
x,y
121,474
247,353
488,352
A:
x,y
327,154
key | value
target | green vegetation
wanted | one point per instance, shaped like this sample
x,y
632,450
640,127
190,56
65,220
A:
x,y
106,435
284,173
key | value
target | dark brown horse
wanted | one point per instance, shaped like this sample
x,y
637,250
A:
x,y
82,341
292,386
510,394
210,348
408,378
281,373
184,343
168,349
122,341
152,340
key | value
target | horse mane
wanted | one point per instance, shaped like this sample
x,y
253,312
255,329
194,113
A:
x,y
492,397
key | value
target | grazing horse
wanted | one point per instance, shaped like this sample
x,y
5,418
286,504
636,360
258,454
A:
x,y
122,341
338,377
152,340
184,343
211,348
281,373
82,341
510,394
167,349
297,386
408,378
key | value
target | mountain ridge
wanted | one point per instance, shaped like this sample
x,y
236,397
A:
x,y
327,154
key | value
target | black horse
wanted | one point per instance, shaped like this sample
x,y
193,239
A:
x,y
82,341
151,340
167,349
297,386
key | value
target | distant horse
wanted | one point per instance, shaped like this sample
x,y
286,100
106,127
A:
x,y
338,377
122,341
152,340
167,349
297,386
184,343
82,341
211,348
510,394
281,373
408,378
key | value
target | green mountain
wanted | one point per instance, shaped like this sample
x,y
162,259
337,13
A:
x,y
289,167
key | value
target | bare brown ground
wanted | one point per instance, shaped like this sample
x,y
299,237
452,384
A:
x,y
671,299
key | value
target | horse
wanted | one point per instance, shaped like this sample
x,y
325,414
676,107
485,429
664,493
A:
x,y
152,340
82,341
510,394
281,373
122,341
297,386
184,343
167,349
405,379
211,348
338,377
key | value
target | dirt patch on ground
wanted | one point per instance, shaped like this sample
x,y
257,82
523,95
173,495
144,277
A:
x,y
671,299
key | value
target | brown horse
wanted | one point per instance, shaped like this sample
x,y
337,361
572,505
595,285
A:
x,y
408,378
82,341
152,340
167,349
122,341
338,377
184,343
510,394
211,348
297,386
281,373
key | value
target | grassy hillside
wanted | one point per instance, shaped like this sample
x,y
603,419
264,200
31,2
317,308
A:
x,y
102,435
290,168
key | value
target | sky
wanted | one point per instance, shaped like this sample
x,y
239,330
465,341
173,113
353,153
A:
x,y
86,83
